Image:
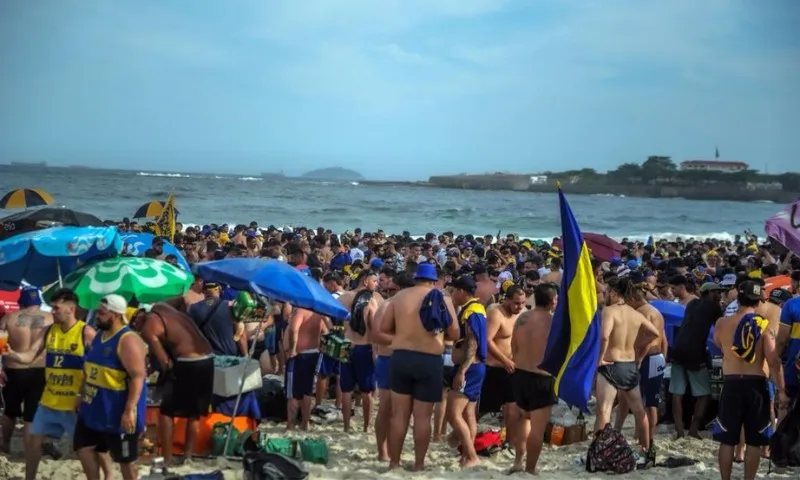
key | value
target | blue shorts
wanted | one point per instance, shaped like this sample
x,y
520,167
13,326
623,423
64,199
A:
x,y
382,372
651,376
473,382
53,423
301,374
329,367
270,340
360,370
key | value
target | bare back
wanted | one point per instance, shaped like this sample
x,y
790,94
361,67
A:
x,y
180,337
529,339
772,313
621,325
369,311
377,319
409,333
657,320
500,326
26,330
731,364
310,327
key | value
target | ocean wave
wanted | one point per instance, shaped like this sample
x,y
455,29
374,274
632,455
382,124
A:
x,y
163,174
250,179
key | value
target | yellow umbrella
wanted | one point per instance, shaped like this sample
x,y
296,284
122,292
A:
x,y
26,197
153,208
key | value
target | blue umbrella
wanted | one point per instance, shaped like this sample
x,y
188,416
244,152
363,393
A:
x,y
275,280
138,243
40,257
673,316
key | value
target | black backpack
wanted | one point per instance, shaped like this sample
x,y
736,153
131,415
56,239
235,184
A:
x,y
272,466
610,452
357,321
784,446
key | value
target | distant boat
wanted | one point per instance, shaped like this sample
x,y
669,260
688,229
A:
x,y
273,175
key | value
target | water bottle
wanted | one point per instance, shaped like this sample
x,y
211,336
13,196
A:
x,y
158,470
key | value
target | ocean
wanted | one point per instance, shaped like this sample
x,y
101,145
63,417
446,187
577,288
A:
x,y
208,198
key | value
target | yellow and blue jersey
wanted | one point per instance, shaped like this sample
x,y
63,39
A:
x,y
63,367
790,317
105,392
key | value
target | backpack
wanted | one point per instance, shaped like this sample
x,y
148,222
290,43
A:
x,y
272,466
487,443
609,452
357,322
784,445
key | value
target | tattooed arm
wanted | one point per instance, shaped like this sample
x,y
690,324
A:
x,y
472,350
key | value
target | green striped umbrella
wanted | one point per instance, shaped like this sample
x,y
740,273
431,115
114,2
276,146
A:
x,y
148,279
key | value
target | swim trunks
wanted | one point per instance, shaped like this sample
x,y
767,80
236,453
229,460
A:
x,y
743,403
497,389
651,373
382,377
473,381
621,375
360,370
329,366
301,373
189,388
417,374
23,390
533,391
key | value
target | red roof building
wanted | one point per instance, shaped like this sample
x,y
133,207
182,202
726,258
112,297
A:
x,y
714,166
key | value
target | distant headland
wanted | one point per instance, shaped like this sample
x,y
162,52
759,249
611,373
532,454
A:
x,y
333,173
656,177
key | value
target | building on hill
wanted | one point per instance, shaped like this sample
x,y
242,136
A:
x,y
714,166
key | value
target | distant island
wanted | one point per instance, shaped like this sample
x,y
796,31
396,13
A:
x,y
333,173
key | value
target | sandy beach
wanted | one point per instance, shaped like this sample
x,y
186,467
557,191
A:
x,y
352,456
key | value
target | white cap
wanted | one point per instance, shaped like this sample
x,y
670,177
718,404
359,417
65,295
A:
x,y
728,280
115,303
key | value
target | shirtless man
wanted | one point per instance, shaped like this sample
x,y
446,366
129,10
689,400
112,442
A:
x,y
626,334
534,389
301,344
195,292
381,344
651,366
744,401
417,367
469,356
186,362
497,393
362,302
554,276
23,382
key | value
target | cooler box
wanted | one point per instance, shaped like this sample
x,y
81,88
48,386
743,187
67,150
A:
x,y
228,379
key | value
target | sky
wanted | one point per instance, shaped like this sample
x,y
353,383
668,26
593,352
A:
x,y
398,89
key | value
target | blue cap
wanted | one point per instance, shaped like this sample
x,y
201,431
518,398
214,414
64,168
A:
x,y
632,264
426,271
28,297
376,263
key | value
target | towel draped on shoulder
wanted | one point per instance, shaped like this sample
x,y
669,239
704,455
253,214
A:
x,y
746,336
434,313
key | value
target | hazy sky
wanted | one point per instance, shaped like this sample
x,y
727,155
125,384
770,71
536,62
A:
x,y
398,88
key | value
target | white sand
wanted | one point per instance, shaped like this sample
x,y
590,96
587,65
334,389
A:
x,y
352,456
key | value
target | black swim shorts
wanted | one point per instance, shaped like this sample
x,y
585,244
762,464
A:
x,y
621,375
743,403
497,389
533,391
189,388
417,374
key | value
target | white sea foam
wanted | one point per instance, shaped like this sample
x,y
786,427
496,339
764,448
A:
x,y
163,174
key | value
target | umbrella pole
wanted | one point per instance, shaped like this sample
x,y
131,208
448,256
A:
x,y
241,387
58,268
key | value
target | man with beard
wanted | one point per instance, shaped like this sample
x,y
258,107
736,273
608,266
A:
x,y
113,403
381,344
186,363
360,370
497,392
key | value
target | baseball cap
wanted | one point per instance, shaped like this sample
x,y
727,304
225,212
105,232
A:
x,y
711,287
466,283
426,271
728,280
115,303
28,297
750,290
779,296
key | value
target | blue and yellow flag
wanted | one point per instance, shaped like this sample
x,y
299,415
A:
x,y
573,346
165,224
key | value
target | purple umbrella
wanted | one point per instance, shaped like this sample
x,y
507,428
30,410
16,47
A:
x,y
784,227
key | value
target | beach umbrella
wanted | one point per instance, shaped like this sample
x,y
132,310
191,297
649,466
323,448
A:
x,y
148,279
784,227
42,257
29,220
137,244
673,316
602,246
275,280
25,197
153,208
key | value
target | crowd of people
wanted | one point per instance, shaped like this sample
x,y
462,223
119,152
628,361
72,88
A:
x,y
437,325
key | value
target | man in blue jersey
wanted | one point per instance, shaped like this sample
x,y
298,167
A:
x,y
789,344
111,412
